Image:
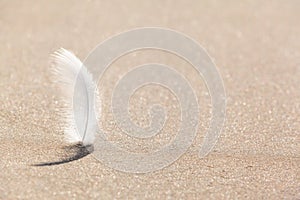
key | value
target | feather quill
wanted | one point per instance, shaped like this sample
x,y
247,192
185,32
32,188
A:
x,y
79,92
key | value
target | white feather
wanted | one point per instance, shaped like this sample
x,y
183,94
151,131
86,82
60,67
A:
x,y
68,70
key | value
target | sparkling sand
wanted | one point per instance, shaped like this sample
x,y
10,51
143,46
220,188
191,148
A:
x,y
256,46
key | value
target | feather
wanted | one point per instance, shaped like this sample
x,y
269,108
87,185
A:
x,y
80,94
76,83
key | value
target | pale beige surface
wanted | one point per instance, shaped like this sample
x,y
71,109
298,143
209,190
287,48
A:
x,y
256,46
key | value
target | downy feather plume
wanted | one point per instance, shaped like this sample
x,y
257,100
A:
x,y
79,92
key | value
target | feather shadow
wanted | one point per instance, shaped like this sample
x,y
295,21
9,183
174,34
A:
x,y
78,150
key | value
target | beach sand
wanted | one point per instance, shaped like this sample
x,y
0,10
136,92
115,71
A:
x,y
256,47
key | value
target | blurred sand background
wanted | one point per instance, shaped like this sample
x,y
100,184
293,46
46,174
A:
x,y
256,46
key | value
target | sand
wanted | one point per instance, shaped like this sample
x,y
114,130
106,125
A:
x,y
255,45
